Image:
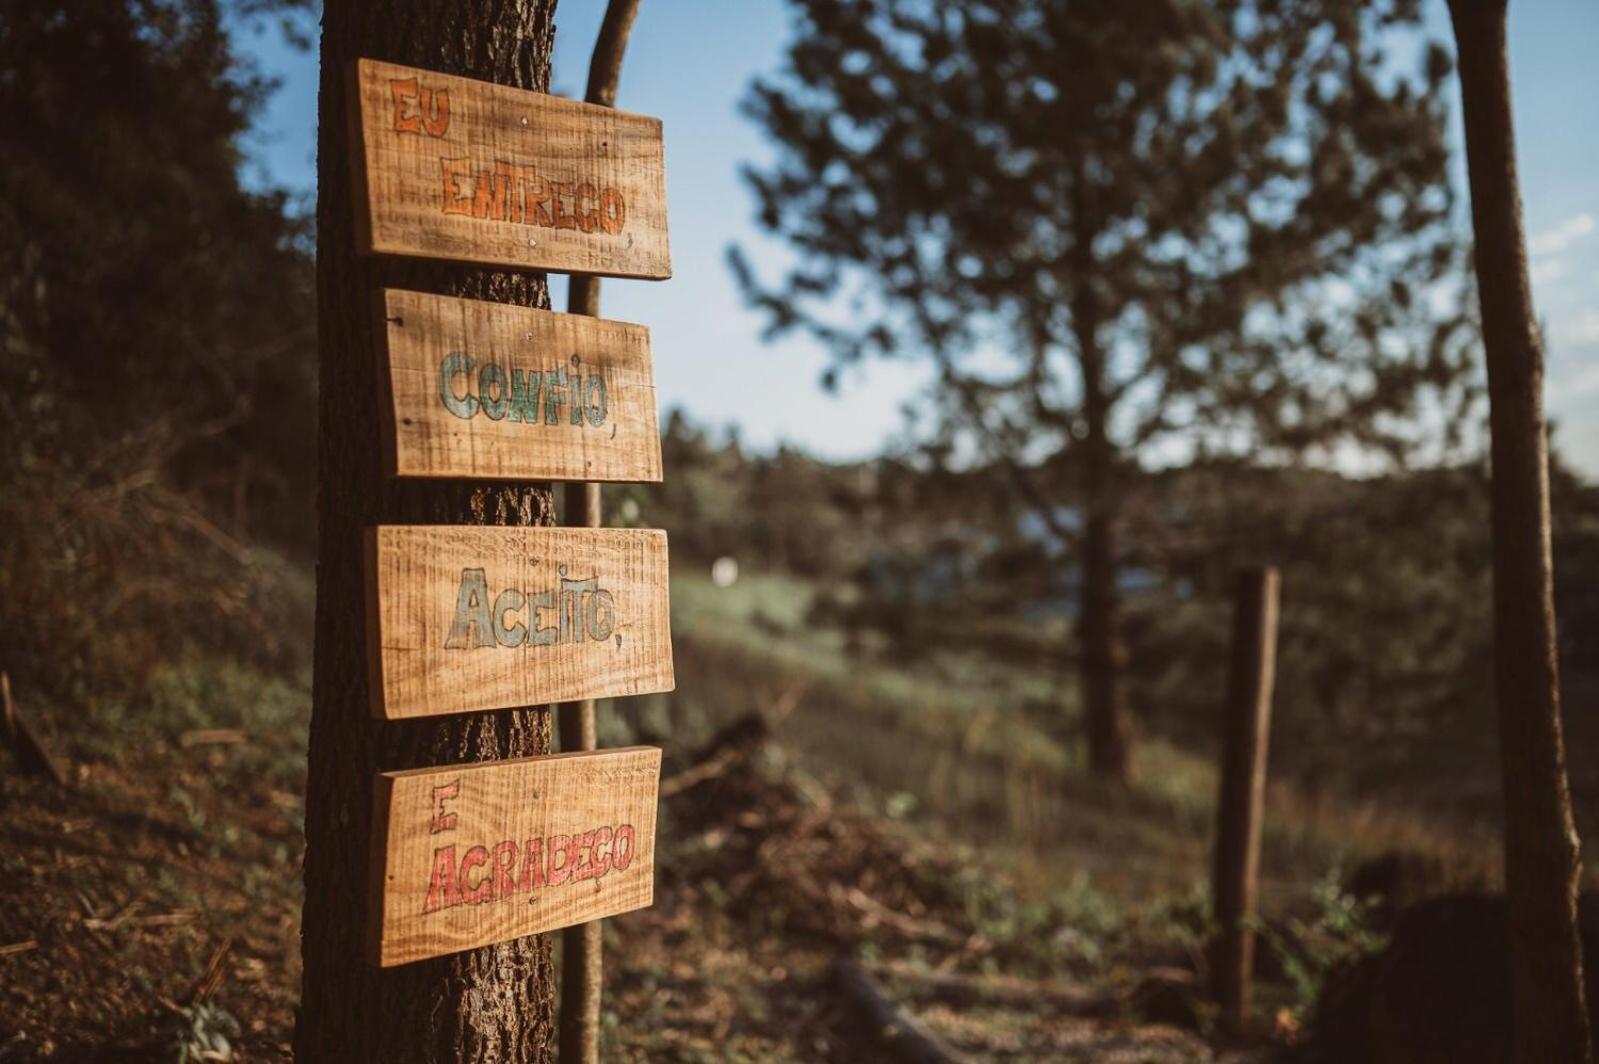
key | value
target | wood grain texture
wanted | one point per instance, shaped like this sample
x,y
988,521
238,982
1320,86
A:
x,y
452,168
469,855
468,618
486,390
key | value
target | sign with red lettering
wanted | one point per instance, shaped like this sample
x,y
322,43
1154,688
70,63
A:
x,y
469,855
452,168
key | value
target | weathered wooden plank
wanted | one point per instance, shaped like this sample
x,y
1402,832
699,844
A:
x,y
469,855
452,168
479,617
487,390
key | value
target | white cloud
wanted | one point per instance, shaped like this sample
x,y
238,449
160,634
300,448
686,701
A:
x,y
1583,382
1579,330
1545,270
1555,240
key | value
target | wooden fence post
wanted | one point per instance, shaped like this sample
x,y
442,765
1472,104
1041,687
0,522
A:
x,y
1239,811
582,960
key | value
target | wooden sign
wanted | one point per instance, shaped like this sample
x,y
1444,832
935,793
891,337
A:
x,y
489,390
451,168
468,618
469,855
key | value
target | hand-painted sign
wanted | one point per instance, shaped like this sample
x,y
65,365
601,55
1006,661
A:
x,y
468,855
468,618
486,390
453,168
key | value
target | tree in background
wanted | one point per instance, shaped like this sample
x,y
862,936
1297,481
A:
x,y
157,384
1118,230
1384,650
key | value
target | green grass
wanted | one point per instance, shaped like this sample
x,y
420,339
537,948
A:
x,y
958,748
200,692
1096,880
992,755
763,620
951,743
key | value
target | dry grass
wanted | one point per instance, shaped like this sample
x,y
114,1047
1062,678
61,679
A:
x,y
899,814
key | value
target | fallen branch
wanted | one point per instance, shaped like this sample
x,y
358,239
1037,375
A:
x,y
19,947
727,748
717,766
906,1039
163,919
210,737
23,742
215,971
734,743
909,926
786,703
96,923
126,918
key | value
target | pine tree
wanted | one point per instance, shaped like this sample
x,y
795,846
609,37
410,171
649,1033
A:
x,y
1114,230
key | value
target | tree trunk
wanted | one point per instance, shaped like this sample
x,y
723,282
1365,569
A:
x,y
494,1003
1103,655
1541,849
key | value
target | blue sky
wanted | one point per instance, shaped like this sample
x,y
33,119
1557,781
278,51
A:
x,y
690,62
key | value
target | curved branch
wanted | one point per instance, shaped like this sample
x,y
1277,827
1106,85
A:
x,y
605,75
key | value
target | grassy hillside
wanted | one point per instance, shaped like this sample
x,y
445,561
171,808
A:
x,y
991,753
926,816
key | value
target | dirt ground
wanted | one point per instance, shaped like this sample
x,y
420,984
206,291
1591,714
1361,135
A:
x,y
153,908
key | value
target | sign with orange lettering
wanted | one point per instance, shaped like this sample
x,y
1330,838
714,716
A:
x,y
452,168
468,855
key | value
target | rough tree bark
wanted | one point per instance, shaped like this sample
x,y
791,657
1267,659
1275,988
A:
x,y
1541,848
494,1003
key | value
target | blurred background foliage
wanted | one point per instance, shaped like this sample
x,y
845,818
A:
x,y
158,505
157,467
1386,620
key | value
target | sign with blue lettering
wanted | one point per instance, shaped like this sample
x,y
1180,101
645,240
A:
x,y
493,391
466,618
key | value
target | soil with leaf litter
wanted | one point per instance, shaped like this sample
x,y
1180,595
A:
x,y
151,912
